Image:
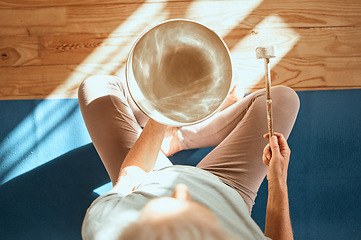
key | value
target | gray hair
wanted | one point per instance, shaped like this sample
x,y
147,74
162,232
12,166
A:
x,y
175,229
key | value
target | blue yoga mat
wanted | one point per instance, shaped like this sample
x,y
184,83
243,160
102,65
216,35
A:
x,y
50,171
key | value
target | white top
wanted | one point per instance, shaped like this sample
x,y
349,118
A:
x,y
110,213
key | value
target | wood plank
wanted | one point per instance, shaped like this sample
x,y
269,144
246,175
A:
x,y
53,3
20,21
94,48
54,81
301,74
72,19
29,82
309,13
74,49
224,14
298,43
316,73
56,3
228,14
18,51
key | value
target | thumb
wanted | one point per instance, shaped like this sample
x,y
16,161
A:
x,y
274,144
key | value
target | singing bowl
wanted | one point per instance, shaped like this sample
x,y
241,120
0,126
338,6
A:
x,y
179,72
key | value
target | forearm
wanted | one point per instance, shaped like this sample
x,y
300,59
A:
x,y
145,150
278,222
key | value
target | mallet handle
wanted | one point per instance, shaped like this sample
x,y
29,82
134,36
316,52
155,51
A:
x,y
268,97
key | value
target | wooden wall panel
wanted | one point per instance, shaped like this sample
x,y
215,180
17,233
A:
x,y
45,45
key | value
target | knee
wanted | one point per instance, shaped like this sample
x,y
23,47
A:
x,y
98,86
96,82
283,95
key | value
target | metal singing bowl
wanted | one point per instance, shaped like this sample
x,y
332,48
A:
x,y
179,72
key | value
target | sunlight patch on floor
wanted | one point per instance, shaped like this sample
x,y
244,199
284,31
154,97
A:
x,y
42,136
110,57
250,70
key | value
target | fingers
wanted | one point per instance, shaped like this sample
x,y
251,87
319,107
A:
x,y
283,145
282,142
267,155
281,139
279,135
275,148
278,144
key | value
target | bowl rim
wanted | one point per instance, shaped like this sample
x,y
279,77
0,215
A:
x,y
130,57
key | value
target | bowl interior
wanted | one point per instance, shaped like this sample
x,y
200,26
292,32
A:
x,y
179,72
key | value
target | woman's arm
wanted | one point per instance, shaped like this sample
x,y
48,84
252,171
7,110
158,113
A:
x,y
142,156
145,150
278,222
276,155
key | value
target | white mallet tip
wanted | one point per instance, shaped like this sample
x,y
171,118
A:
x,y
265,52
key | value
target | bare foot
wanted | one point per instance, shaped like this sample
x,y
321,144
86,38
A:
x,y
234,96
171,144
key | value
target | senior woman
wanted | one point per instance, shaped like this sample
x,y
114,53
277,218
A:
x,y
153,199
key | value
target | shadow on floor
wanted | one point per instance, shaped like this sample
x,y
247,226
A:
x,y
50,201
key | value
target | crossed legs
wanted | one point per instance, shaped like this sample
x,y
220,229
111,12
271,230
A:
x,y
114,124
238,134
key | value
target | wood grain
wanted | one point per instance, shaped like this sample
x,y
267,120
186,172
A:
x,y
19,51
21,21
311,42
324,42
34,82
75,48
307,73
48,47
54,81
229,14
29,82
52,3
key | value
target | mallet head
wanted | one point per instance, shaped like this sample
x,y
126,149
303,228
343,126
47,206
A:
x,y
265,52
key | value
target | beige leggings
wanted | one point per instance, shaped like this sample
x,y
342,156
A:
x,y
114,124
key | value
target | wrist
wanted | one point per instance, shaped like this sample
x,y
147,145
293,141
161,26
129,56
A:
x,y
277,197
156,125
278,185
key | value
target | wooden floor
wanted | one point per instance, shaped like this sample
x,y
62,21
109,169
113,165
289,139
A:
x,y
48,47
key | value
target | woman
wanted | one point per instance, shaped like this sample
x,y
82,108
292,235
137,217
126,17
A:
x,y
152,199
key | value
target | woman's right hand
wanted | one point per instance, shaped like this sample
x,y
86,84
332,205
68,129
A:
x,y
276,156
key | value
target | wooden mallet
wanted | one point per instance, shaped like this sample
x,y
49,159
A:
x,y
266,53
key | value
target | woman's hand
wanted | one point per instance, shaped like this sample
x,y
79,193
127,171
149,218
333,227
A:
x,y
276,156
